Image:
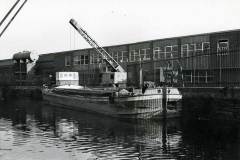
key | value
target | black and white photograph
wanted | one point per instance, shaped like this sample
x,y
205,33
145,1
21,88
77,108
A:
x,y
119,80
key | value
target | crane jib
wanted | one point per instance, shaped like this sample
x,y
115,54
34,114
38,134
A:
x,y
105,55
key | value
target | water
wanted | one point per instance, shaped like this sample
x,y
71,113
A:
x,y
31,130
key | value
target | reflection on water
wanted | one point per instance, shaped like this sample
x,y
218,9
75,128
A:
x,y
33,130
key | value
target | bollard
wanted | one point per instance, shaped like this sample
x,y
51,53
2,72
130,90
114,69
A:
x,y
164,102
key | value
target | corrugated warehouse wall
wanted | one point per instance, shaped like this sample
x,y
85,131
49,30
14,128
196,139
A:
x,y
210,59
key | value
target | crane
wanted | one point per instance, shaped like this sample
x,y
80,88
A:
x,y
105,55
8,13
117,74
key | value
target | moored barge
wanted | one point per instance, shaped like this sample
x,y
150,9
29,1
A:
x,y
122,103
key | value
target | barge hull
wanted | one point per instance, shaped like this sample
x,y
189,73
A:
x,y
119,108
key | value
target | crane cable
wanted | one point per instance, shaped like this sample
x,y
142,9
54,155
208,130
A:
x,y
12,17
5,17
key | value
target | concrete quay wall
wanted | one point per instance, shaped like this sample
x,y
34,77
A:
x,y
211,103
10,92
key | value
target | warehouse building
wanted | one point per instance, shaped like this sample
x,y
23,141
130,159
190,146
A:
x,y
204,60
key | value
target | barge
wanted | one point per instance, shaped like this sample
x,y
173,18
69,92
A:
x,y
121,103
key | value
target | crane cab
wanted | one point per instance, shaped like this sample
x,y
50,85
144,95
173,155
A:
x,y
110,78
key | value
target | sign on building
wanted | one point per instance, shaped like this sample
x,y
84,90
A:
x,y
67,78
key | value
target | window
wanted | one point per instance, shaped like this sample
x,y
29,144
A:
x,y
67,60
140,55
188,77
222,47
223,44
184,50
124,56
115,56
175,51
145,54
206,53
184,55
168,52
120,56
134,55
191,50
158,53
94,55
96,58
206,46
198,48
86,59
81,59
76,60
91,59
191,47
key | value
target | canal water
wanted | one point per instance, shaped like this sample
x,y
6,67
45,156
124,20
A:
x,y
32,130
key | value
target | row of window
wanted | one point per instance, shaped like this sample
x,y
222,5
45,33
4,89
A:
x,y
188,50
140,55
167,52
80,59
198,77
119,56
